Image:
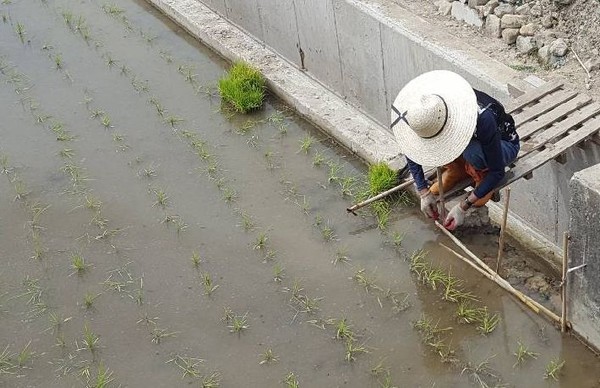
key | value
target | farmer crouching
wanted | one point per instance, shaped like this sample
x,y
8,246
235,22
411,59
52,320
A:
x,y
438,119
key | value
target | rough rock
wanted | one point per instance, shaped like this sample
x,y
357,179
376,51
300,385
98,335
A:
x,y
563,2
538,283
444,7
559,47
592,64
466,14
546,58
526,44
509,35
492,26
513,21
504,9
528,29
489,8
523,9
476,3
547,21
536,11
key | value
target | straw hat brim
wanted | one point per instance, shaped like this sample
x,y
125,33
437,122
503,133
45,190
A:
x,y
460,125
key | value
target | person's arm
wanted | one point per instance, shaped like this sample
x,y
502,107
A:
x,y
416,170
489,137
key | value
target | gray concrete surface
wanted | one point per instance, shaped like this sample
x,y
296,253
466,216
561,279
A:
x,y
584,248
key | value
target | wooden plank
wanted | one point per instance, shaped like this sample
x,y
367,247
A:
x,y
549,118
559,129
534,95
551,151
545,105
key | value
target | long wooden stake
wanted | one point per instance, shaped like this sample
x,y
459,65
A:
x,y
532,304
442,202
563,319
503,229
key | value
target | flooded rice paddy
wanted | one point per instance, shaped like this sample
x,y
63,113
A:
x,y
150,238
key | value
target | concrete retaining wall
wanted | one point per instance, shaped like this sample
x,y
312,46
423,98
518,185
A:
x,y
584,248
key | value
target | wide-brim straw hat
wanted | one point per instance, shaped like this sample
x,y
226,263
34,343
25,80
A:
x,y
434,117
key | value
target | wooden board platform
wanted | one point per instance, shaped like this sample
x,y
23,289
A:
x,y
550,120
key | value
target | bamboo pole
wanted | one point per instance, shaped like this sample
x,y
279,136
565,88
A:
x,y
563,319
484,268
442,202
503,230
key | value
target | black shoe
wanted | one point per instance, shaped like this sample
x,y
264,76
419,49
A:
x,y
496,197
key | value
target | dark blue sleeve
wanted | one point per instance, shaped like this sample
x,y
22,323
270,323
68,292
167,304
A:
x,y
417,173
489,137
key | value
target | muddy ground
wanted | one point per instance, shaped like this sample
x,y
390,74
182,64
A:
x,y
150,237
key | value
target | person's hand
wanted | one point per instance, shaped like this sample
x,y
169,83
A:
x,y
455,217
428,205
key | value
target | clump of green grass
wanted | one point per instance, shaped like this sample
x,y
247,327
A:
x,y
25,356
196,259
352,349
211,381
88,300
78,263
243,87
341,257
278,273
553,369
381,178
523,353
238,323
343,330
305,144
90,339
207,282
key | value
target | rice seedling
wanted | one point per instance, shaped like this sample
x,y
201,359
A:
x,y
140,86
318,220
113,10
229,195
481,374
378,369
347,185
334,172
158,334
352,350
20,30
523,353
386,382
67,153
78,263
88,300
104,377
211,381
21,191
125,70
148,172
397,239
209,286
56,322
243,88
239,324
291,381
196,260
553,369
341,257
105,121
99,221
68,18
161,198
318,159
382,212
268,357
488,323
33,291
278,273
328,233
188,73
166,56
466,313
25,356
295,290
269,255
261,241
247,222
188,365
305,144
6,362
97,113
58,62
343,330
117,137
4,18
173,120
89,339
227,315
180,226
368,282
5,164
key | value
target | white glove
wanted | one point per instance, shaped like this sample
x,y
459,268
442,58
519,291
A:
x,y
455,217
428,205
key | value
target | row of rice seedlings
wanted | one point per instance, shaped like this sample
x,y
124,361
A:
x,y
431,335
78,25
438,279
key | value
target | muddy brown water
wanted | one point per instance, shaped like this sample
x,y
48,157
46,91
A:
x,y
150,310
